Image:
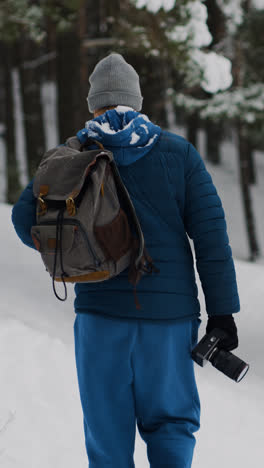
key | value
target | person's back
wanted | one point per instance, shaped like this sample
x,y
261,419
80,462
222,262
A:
x,y
152,168
136,364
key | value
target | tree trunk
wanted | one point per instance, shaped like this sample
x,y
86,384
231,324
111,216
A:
x,y
68,84
29,53
192,126
3,152
84,65
213,133
13,185
243,151
98,38
91,50
171,123
252,178
19,128
49,89
245,192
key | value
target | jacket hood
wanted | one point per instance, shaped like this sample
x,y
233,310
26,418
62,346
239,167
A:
x,y
130,135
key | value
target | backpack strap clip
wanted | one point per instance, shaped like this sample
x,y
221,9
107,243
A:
x,y
70,205
43,206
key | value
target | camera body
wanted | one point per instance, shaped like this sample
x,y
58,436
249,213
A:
x,y
207,346
209,349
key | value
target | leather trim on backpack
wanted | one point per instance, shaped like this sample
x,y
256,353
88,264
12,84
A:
x,y
95,276
36,242
115,238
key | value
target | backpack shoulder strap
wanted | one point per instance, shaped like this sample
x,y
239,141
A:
x,y
131,208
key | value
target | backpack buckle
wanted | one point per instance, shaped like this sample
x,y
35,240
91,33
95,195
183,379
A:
x,y
43,206
70,205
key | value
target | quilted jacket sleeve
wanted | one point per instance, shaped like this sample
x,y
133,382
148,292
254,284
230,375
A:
x,y
205,224
24,215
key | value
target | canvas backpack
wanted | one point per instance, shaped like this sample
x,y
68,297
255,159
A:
x,y
85,219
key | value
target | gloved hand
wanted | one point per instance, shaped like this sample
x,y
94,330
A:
x,y
226,323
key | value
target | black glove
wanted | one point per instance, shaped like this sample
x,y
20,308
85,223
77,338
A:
x,y
226,323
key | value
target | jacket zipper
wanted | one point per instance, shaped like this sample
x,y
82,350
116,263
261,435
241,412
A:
x,y
69,221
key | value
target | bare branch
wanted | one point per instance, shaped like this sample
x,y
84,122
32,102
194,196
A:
x,y
39,61
101,41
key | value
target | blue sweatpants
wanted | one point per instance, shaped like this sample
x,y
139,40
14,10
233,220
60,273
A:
x,y
133,371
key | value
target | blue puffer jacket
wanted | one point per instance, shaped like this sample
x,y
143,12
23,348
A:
x,y
173,195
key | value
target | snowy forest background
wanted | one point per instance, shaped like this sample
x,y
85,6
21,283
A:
x,y
200,63
201,67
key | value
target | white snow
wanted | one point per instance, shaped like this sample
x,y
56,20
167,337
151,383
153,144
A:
x,y
134,138
40,415
217,70
246,103
40,411
234,13
155,5
258,4
154,52
196,27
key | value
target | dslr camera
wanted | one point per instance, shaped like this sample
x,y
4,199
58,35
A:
x,y
209,349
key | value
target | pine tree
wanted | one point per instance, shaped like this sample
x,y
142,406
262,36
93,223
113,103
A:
x,y
242,107
22,35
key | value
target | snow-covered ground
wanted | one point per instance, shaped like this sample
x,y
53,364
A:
x,y
40,410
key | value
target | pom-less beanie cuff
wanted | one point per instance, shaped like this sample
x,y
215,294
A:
x,y
114,82
114,98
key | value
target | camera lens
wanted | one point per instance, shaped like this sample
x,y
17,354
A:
x,y
242,371
229,364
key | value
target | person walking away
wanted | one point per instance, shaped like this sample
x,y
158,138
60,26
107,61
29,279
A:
x,y
134,365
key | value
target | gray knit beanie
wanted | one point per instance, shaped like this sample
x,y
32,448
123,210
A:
x,y
114,82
